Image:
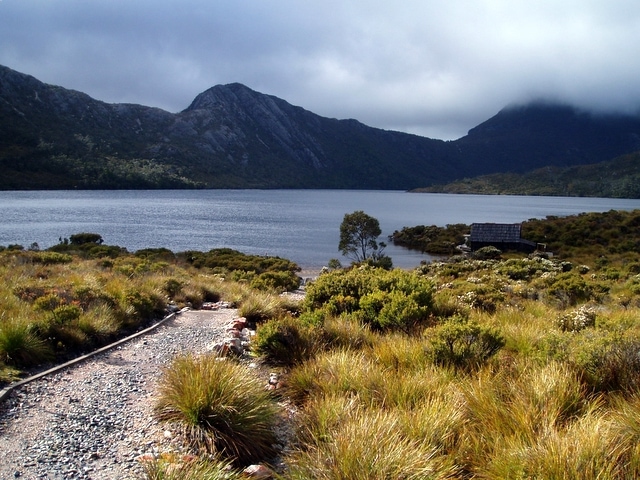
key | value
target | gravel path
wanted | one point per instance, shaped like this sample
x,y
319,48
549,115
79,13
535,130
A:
x,y
92,420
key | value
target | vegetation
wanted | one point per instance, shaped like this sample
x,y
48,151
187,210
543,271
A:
x,y
80,294
603,238
499,365
68,140
359,234
509,367
220,407
617,178
432,239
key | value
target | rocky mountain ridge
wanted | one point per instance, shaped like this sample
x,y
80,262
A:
x,y
233,137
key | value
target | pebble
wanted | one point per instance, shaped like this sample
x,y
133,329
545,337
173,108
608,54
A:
x,y
95,421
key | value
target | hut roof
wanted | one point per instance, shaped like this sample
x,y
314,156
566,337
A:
x,y
496,232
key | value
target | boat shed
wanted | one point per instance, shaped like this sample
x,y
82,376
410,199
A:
x,y
504,236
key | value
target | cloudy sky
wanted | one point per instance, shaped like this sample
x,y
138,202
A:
x,y
431,67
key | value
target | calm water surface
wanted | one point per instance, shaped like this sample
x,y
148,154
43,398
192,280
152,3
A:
x,y
301,225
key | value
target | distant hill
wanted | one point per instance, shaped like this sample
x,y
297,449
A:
x,y
233,137
617,178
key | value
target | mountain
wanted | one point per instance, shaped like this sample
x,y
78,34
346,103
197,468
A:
x,y
233,137
523,138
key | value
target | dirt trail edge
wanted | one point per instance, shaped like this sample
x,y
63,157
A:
x,y
93,419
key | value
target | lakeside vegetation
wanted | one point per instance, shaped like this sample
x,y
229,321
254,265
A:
x,y
493,365
603,237
617,178
61,302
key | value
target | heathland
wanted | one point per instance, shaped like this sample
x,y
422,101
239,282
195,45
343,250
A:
x,y
486,365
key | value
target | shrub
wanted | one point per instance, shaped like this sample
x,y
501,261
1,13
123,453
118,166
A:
x,y
65,314
382,299
610,365
172,286
464,344
276,281
219,406
141,305
577,319
83,238
51,258
285,341
487,253
570,288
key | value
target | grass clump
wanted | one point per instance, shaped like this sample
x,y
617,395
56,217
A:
x,y
368,443
20,346
186,467
219,406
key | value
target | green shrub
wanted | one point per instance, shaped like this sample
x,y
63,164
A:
x,y
279,281
487,253
464,344
83,238
65,314
172,286
51,258
382,299
219,406
48,302
141,305
569,289
285,341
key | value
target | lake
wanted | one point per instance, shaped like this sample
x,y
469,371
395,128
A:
x,y
301,225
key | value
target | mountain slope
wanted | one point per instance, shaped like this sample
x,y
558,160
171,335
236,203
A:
x,y
617,178
522,138
233,137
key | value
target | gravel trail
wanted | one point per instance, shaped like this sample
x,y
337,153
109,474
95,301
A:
x,y
92,420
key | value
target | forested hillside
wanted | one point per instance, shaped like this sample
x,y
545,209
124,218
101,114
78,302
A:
x,y
617,178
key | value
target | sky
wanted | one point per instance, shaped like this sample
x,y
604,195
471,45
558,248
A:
x,y
430,67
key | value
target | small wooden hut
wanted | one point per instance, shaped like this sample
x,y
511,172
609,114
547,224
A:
x,y
503,236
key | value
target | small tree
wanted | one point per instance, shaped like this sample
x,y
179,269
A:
x,y
83,238
359,234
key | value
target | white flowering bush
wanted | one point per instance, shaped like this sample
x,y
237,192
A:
x,y
577,319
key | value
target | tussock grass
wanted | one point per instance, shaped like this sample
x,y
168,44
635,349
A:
x,y
347,333
259,307
400,352
219,406
368,443
336,372
172,467
19,345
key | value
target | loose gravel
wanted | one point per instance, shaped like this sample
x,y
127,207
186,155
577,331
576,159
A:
x,y
94,419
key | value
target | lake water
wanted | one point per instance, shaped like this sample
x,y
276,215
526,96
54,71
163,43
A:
x,y
301,225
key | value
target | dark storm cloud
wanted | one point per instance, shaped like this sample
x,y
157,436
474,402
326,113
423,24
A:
x,y
429,67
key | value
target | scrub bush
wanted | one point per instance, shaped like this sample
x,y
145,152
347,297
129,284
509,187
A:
x,y
463,344
285,341
385,300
